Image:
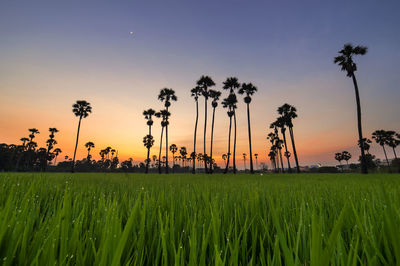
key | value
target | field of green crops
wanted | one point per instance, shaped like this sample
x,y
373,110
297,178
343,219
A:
x,y
134,219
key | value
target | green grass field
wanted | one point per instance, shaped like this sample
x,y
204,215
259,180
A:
x,y
134,219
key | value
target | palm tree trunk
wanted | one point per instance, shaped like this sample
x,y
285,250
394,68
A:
x,y
159,154
294,149
195,133
387,161
173,162
249,128
166,145
76,144
234,143
364,169
205,133
280,157
229,145
284,141
394,152
212,136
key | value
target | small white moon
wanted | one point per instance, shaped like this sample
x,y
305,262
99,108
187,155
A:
x,y
131,33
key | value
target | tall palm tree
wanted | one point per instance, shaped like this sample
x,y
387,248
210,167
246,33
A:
x,y
173,148
50,145
163,114
232,84
214,95
380,137
166,96
280,123
346,156
195,93
278,142
272,156
57,151
274,148
89,145
339,157
148,142
148,115
230,103
345,61
289,112
248,89
81,109
31,143
204,83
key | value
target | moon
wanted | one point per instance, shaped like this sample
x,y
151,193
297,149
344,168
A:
x,y
131,32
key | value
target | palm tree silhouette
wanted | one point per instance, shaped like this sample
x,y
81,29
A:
x,y
224,156
380,137
195,92
256,156
89,145
214,95
81,109
148,115
346,156
345,61
230,103
288,113
57,151
148,142
166,96
280,122
31,143
183,153
248,89
24,140
244,161
272,156
366,142
339,157
232,84
278,143
204,83
274,148
173,148
392,141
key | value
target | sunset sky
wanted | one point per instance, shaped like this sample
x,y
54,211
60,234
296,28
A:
x,y
53,53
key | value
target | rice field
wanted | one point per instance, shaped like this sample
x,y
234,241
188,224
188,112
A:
x,y
183,219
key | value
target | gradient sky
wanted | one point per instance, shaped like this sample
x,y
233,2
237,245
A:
x,y
53,53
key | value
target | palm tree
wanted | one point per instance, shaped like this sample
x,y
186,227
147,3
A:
x,y
339,157
256,156
280,122
214,95
204,83
57,151
392,141
81,109
166,96
244,161
173,148
163,114
31,143
345,61
230,103
271,156
274,148
195,92
148,115
224,156
24,140
89,145
278,142
183,153
50,145
366,142
232,84
380,137
289,113
248,89
148,142
346,156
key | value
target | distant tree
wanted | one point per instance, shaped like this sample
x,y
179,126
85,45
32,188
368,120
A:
x,y
278,143
57,151
381,137
163,114
289,112
173,148
195,93
244,161
280,123
81,109
339,157
214,95
148,115
183,153
366,142
346,156
392,141
256,156
248,89
224,156
89,145
345,61
148,142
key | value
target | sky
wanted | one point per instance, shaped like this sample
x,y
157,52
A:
x,y
53,53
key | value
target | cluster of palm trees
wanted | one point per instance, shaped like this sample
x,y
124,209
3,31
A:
x,y
343,156
283,122
387,138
